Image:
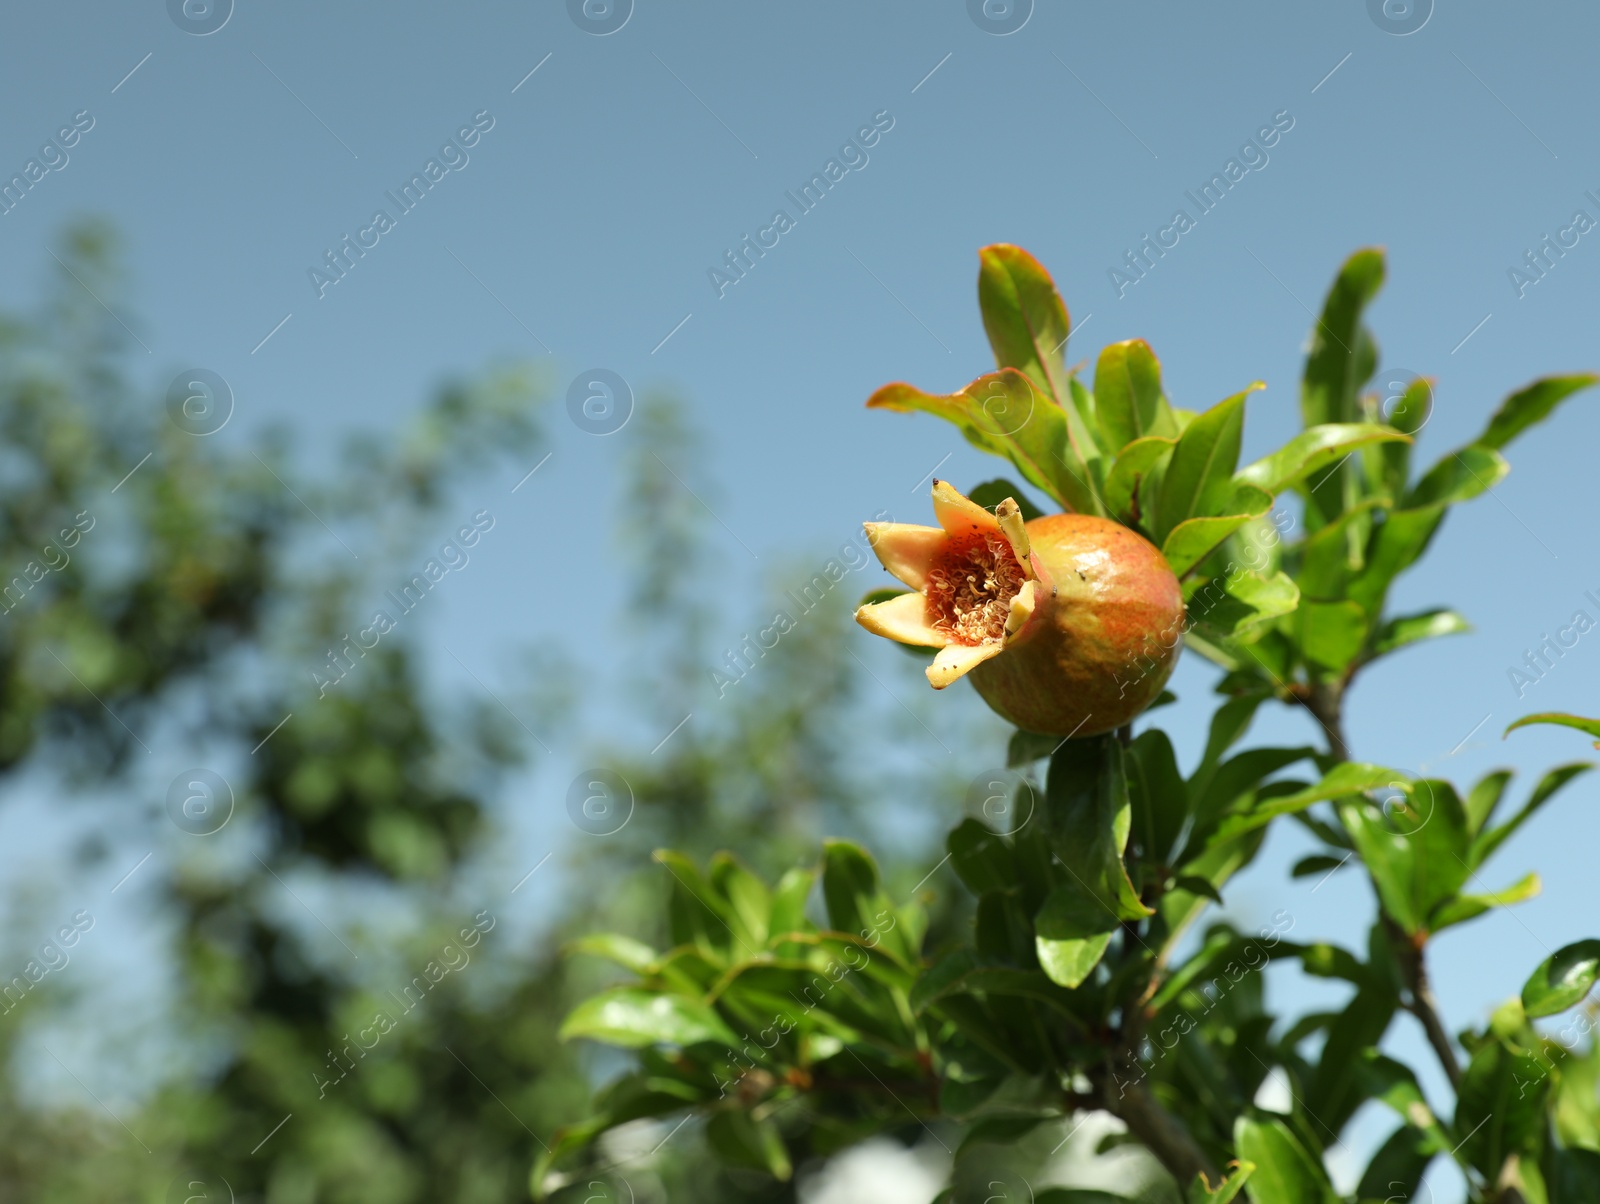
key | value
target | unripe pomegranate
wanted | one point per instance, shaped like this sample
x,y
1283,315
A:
x,y
1069,625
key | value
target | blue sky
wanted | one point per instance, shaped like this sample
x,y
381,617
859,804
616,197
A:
x,y
582,227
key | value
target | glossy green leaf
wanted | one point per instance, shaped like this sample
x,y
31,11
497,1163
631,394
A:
x,y
1024,748
1024,316
1191,541
1485,844
1001,1130
1415,848
1133,465
1484,798
1344,779
1337,1088
1589,726
1469,907
1229,606
1285,1172
1412,629
749,901
1336,367
1530,405
1500,1107
624,950
1331,633
1389,464
1234,783
1317,865
1127,395
698,914
1394,1084
981,859
740,1139
1199,478
1576,1176
1005,415
1314,449
1396,545
633,1017
1087,814
1396,1170
1458,477
1563,979
789,901
1157,792
855,900
1073,929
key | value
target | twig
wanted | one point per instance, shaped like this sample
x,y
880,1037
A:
x,y
1162,1133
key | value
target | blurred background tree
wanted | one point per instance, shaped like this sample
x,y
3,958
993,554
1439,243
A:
x,y
186,623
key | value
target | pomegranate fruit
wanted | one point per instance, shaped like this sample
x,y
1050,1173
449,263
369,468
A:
x,y
1067,625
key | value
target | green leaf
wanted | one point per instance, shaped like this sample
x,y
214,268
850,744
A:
x,y
1327,562
1136,462
749,901
1576,1177
1157,792
1416,852
1000,1130
1284,1172
1403,536
1331,633
1199,478
698,914
1485,797
739,1139
1396,1170
1072,931
633,1017
1336,1089
1229,722
789,901
1024,748
1589,726
1458,477
855,901
1563,979
1316,865
980,858
1127,395
1228,607
1346,778
1236,781
1335,367
1005,415
1087,816
1313,449
1197,885
613,946
991,493
1531,405
1412,629
1485,844
1393,1083
1500,1106
1192,540
1469,907
1024,316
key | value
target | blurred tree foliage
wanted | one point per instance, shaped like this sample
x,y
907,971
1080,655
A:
x,y
183,626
